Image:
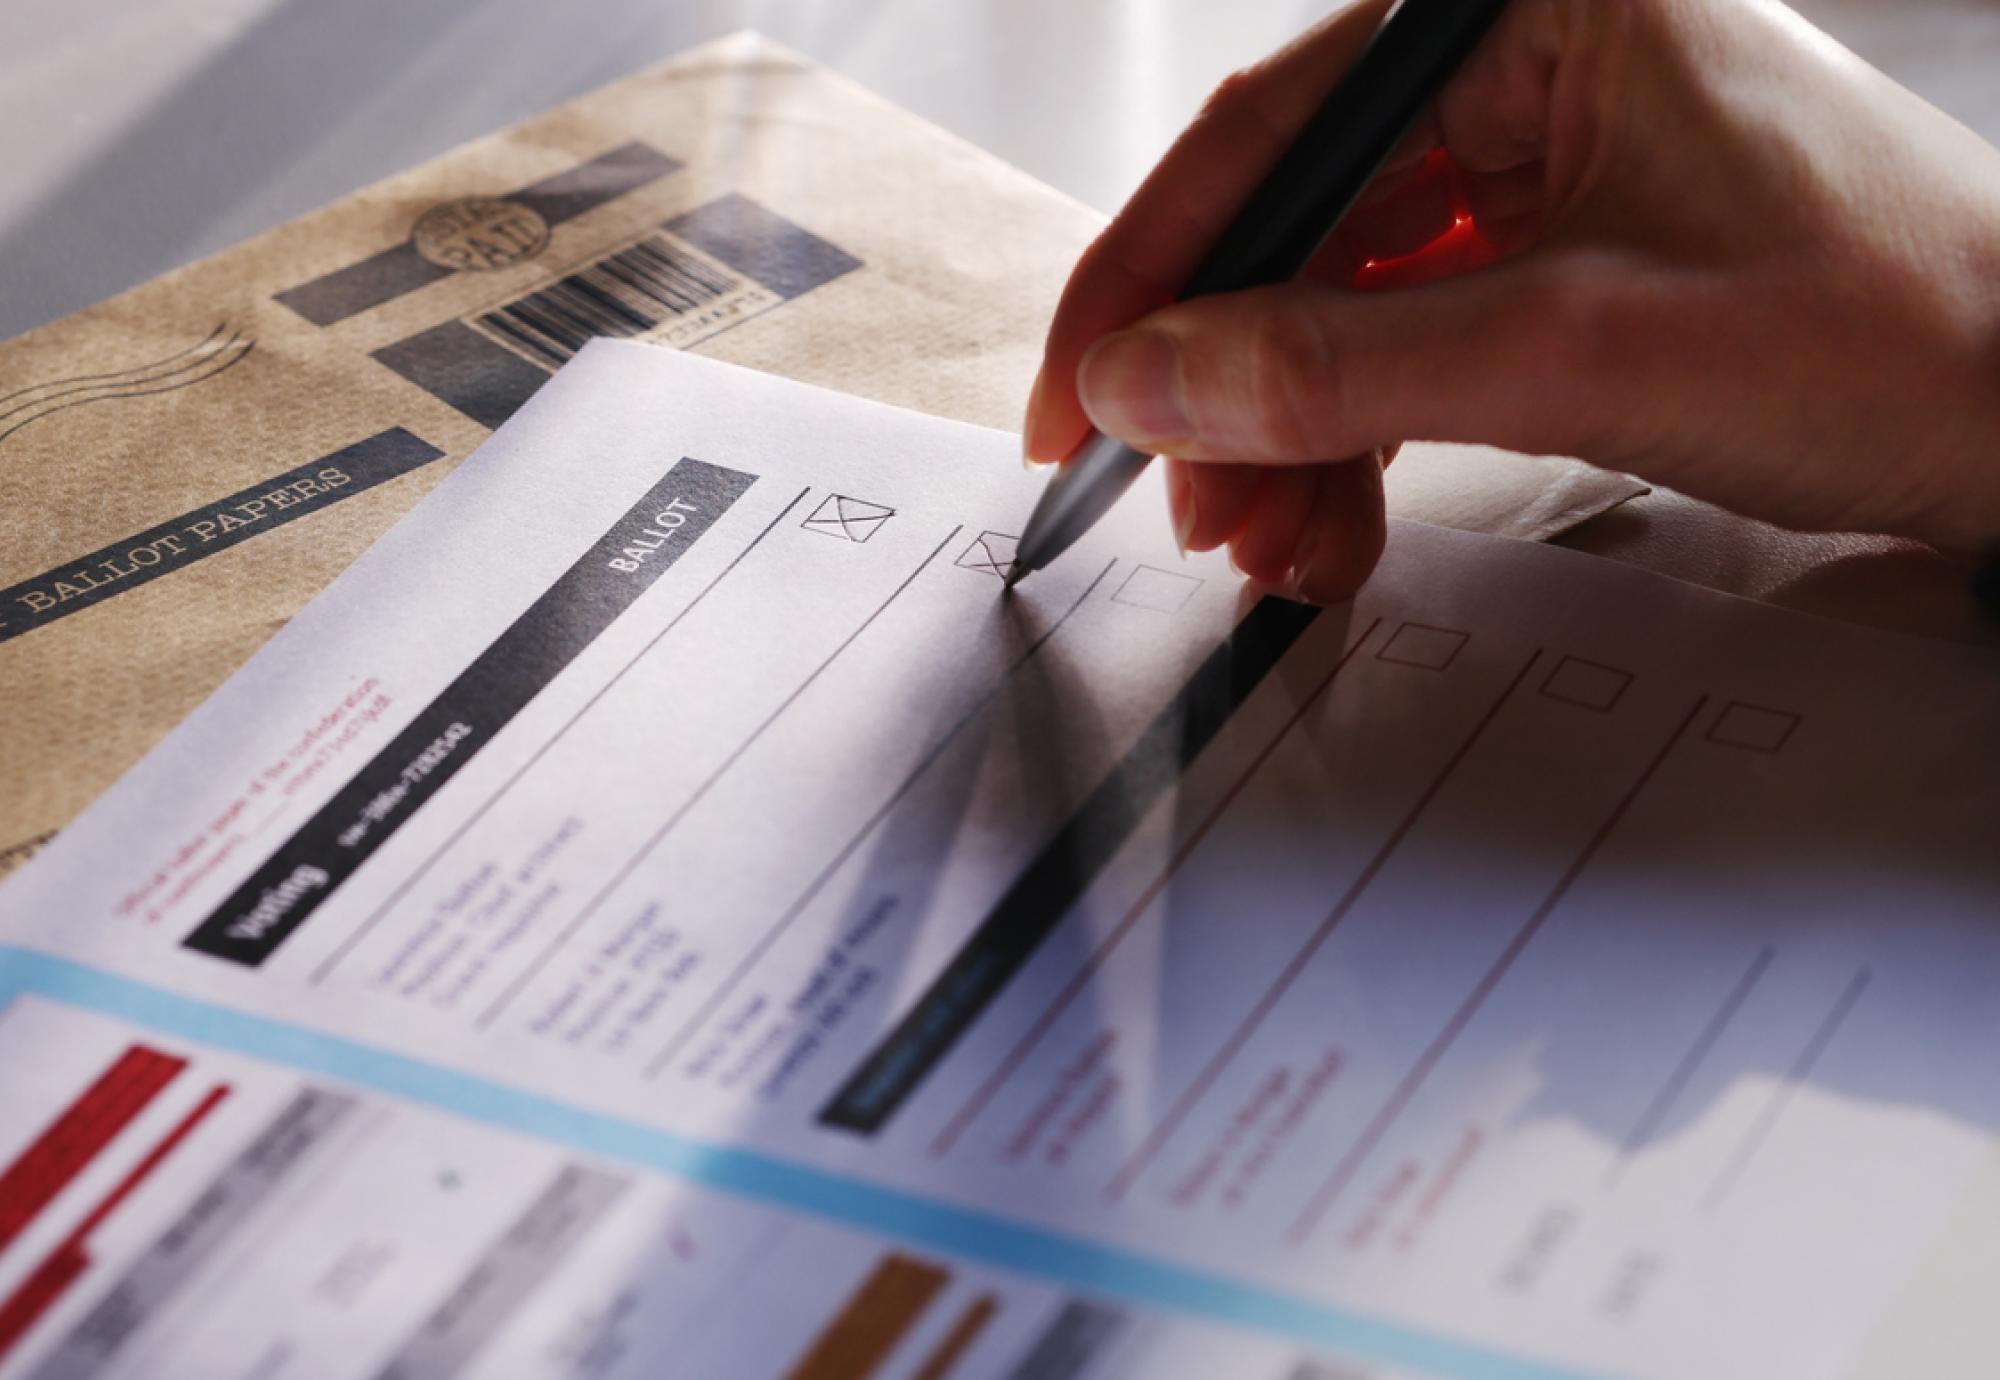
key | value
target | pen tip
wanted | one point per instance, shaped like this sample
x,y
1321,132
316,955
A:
x,y
1015,574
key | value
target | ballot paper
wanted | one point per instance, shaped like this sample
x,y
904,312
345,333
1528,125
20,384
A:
x,y
183,467
665,900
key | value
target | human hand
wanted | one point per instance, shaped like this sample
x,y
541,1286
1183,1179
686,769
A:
x,y
1707,246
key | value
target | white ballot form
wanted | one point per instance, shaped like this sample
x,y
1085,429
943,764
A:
x,y
664,909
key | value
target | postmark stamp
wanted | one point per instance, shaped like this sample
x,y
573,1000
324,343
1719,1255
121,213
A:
x,y
479,233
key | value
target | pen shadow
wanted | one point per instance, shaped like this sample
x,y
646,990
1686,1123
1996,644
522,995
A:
x,y
1016,746
1015,754
1032,735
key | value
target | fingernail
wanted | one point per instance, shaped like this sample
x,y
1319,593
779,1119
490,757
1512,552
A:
x,y
1028,461
1302,564
1295,585
1131,388
1184,520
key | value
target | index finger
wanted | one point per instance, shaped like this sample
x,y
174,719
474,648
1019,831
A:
x,y
1155,243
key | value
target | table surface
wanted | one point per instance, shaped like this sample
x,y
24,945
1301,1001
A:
x,y
136,138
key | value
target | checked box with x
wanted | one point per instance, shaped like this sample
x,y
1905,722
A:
x,y
847,519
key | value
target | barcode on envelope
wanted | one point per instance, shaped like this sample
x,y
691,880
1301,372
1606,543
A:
x,y
638,289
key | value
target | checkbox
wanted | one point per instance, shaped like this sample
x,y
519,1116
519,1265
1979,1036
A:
x,y
1587,684
1753,727
1162,591
1423,646
847,519
991,553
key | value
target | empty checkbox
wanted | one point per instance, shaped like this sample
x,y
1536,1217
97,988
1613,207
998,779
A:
x,y
1753,728
1586,684
1162,591
1420,645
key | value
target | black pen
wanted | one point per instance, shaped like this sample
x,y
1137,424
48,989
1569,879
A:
x,y
1284,222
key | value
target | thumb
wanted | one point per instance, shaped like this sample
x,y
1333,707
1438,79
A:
x,y
1525,355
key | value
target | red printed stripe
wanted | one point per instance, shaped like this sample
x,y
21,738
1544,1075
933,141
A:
x,y
39,1292
73,1140
67,1262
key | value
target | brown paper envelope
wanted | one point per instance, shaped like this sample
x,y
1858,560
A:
x,y
184,466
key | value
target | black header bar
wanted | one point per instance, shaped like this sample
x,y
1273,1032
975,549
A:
x,y
532,652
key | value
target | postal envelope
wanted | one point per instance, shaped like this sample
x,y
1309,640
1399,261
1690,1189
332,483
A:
x,y
184,466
